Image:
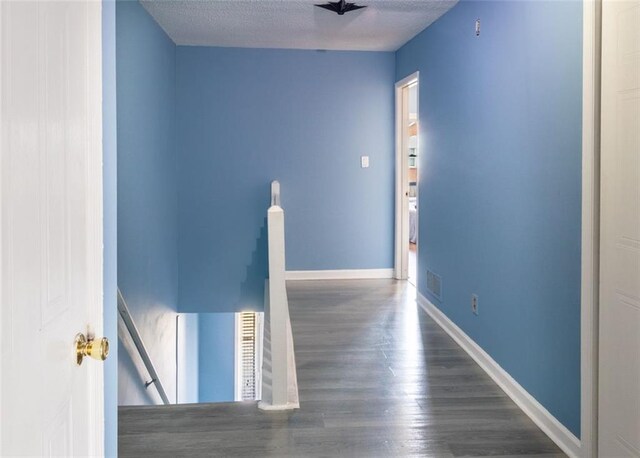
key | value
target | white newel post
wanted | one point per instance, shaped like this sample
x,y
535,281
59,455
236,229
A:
x,y
278,306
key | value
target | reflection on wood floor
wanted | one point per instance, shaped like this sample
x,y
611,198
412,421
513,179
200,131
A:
x,y
413,264
377,378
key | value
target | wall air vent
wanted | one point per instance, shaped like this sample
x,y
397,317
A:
x,y
434,284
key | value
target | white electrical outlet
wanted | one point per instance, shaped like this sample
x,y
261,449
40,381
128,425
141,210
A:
x,y
364,162
474,303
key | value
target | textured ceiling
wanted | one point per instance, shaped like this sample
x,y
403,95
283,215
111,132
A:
x,y
384,25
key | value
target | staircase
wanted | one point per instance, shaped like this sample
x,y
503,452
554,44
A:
x,y
279,384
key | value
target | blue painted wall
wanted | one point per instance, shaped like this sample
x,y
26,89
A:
x,y
216,357
147,195
500,184
248,116
187,358
110,221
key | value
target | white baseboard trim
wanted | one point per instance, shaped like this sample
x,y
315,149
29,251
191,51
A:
x,y
354,274
556,431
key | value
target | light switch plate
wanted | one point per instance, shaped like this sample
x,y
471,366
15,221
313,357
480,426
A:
x,y
364,162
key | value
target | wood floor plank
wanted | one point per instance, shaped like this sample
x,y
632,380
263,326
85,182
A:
x,y
377,378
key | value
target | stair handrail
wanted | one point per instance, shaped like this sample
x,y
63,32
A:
x,y
123,310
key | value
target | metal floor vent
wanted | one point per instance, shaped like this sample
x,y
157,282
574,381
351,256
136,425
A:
x,y
434,284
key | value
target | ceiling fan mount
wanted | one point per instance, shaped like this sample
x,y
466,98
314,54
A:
x,y
340,7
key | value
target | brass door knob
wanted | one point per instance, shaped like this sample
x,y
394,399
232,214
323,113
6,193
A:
x,y
95,348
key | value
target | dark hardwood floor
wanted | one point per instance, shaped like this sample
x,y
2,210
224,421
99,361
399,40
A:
x,y
377,378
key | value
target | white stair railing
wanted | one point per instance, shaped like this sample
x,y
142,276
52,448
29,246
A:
x,y
131,327
279,384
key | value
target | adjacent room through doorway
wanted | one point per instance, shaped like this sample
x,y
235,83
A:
x,y
412,159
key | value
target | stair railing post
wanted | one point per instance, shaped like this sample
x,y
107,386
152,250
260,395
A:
x,y
278,306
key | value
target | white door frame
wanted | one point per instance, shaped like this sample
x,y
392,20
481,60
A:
x,y
1,276
401,253
592,23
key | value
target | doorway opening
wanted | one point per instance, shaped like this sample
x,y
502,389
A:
x,y
407,157
206,371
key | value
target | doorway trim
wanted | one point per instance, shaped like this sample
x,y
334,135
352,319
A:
x,y
590,268
1,238
401,244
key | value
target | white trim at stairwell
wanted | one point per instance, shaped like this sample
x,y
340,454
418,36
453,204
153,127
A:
x,y
557,432
344,274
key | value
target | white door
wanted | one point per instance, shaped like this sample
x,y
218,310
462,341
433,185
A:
x,y
51,227
619,394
